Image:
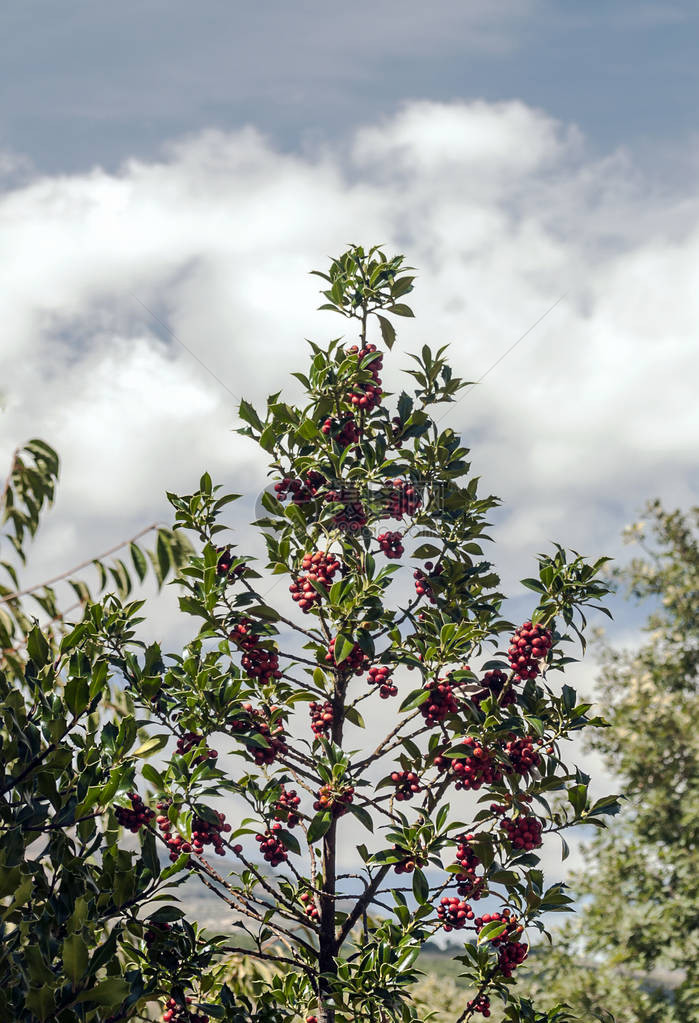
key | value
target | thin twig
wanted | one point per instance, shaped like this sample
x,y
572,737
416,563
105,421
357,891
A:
x,y
77,568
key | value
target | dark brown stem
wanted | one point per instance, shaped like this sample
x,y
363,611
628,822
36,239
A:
x,y
362,903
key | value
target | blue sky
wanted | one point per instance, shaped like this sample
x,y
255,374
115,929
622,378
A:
x,y
87,83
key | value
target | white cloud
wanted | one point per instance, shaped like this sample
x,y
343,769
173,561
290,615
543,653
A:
x,y
500,207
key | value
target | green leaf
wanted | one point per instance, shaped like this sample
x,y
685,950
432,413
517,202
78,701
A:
x,y
577,797
533,584
344,645
491,930
174,868
139,561
319,826
77,694
75,957
353,715
166,915
414,699
152,745
569,697
41,1002
38,647
421,889
289,841
248,413
426,550
268,614
364,816
111,991
149,853
164,555
308,431
153,776
388,331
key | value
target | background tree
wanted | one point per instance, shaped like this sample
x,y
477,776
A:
x,y
335,924
69,895
28,492
640,915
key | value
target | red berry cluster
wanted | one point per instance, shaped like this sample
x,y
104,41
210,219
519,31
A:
x,y
403,499
454,913
353,517
480,1004
440,703
397,430
379,675
276,744
499,810
493,684
476,768
271,846
251,720
209,833
302,491
286,807
408,861
224,563
309,906
523,756
524,832
529,646
354,664
156,931
137,816
175,843
343,431
470,885
321,717
391,545
259,662
367,396
407,785
337,800
511,951
318,567
188,741
176,1012
422,581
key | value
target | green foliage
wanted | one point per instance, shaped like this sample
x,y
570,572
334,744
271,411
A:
x,y
635,949
69,895
29,490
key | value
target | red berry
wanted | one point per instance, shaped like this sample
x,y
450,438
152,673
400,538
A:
x,y
529,646
391,544
318,568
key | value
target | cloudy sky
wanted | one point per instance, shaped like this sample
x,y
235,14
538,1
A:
x,y
169,174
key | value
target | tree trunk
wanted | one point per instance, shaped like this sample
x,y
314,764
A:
x,y
327,960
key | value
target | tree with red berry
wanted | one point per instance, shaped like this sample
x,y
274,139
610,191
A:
x,y
366,491
393,737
